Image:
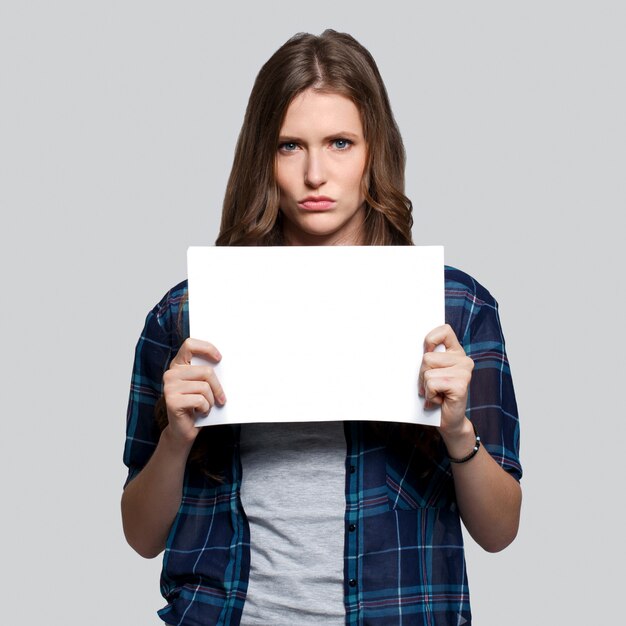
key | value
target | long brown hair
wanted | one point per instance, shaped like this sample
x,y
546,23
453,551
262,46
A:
x,y
331,62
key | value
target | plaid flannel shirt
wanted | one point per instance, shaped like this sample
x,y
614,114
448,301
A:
x,y
403,548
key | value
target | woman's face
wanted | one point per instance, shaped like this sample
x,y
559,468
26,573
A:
x,y
320,163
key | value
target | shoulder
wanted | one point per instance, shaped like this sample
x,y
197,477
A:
x,y
171,303
168,321
459,284
466,301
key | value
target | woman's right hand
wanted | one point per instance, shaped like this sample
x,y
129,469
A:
x,y
152,499
189,388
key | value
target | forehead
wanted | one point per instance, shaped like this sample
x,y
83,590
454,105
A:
x,y
320,112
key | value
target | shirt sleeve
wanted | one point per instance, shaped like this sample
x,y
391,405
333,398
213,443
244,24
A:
x,y
157,345
491,403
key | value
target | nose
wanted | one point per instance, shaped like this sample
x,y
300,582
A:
x,y
315,170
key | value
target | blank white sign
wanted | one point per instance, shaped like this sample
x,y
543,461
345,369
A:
x,y
317,333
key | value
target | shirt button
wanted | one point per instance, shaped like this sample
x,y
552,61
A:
x,y
352,582
352,528
352,469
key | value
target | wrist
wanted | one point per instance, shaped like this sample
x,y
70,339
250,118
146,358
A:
x,y
460,441
176,444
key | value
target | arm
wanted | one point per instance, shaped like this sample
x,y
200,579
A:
x,y
152,499
489,498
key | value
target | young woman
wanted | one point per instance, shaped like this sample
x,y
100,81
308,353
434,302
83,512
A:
x,y
325,523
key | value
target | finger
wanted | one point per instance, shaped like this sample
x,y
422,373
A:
x,y
434,392
436,400
445,360
436,360
201,373
451,382
442,335
432,360
173,388
196,387
216,387
188,403
196,347
431,393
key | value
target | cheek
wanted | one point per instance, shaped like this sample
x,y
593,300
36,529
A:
x,y
279,176
357,178
285,176
357,169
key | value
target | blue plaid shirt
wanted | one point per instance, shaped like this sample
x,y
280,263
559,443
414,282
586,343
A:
x,y
403,548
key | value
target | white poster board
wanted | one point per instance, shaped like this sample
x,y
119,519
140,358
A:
x,y
317,333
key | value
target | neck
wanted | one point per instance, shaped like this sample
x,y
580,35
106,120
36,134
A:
x,y
355,236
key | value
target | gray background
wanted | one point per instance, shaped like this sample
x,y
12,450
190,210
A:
x,y
117,127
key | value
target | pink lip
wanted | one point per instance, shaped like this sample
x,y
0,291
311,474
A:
x,y
317,203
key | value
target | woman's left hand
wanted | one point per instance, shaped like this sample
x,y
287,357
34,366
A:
x,y
488,497
444,378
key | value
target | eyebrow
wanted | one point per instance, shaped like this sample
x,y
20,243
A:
x,y
341,133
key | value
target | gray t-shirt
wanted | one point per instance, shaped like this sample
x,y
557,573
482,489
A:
x,y
293,493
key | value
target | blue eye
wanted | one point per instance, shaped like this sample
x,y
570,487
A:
x,y
288,146
342,144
